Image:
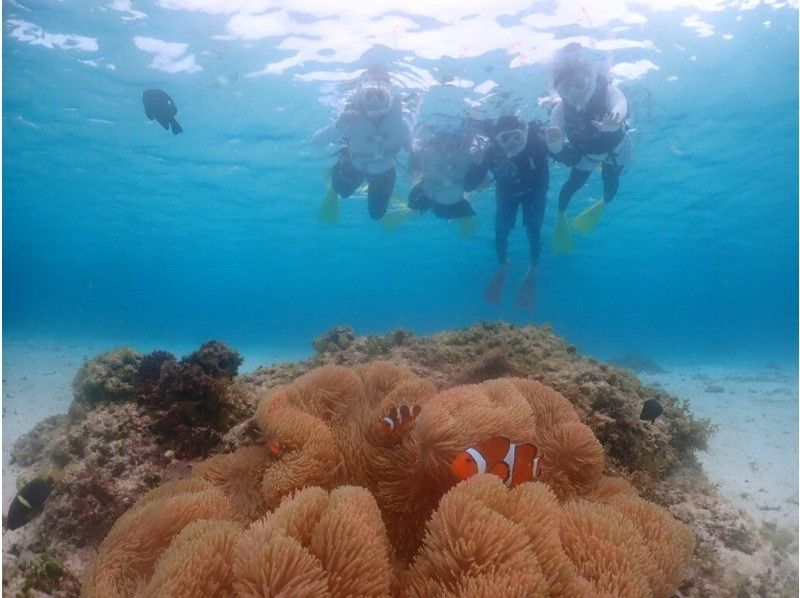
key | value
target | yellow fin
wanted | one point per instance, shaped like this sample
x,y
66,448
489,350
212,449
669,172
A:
x,y
562,238
329,210
395,218
467,227
588,219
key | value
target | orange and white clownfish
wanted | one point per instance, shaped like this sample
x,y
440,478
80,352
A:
x,y
274,447
514,463
399,418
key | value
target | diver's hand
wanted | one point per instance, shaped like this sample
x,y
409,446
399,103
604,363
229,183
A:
x,y
554,134
555,139
611,122
477,151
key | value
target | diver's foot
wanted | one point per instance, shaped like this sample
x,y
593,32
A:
x,y
494,290
466,227
526,296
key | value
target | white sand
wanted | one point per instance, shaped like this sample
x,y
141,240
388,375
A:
x,y
753,453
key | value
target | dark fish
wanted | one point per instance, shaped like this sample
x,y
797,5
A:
x,y
159,106
651,410
29,502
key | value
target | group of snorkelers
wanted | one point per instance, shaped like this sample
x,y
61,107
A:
x,y
586,131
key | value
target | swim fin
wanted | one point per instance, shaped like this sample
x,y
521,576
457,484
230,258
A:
x,y
391,220
588,219
329,210
562,237
467,227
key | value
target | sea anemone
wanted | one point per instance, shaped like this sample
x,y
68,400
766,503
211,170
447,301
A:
x,y
330,504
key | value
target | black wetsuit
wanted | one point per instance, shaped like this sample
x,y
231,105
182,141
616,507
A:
x,y
447,151
418,199
520,181
584,138
346,178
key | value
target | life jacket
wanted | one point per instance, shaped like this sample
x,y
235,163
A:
x,y
582,134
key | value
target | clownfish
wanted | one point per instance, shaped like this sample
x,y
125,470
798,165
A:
x,y
513,463
399,418
274,447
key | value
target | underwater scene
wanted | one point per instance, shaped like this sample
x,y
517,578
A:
x,y
400,299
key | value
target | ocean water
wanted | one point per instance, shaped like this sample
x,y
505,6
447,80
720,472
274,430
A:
x,y
118,232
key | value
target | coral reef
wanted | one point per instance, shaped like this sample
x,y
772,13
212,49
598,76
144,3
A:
x,y
321,432
107,377
114,453
338,337
216,359
149,372
637,363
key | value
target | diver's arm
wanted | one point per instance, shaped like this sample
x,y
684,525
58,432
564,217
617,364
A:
x,y
554,135
475,174
616,103
406,136
326,135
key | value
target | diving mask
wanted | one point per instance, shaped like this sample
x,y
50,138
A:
x,y
375,100
575,86
512,141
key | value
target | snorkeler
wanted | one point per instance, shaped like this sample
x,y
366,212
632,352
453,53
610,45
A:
x,y
373,129
587,130
443,162
517,156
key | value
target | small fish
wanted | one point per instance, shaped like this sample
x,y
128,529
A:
x,y
399,418
274,447
651,410
514,463
159,106
29,502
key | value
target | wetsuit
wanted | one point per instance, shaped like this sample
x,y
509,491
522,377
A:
x,y
346,178
370,150
443,162
588,147
520,181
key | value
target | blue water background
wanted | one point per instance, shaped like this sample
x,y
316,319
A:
x,y
116,229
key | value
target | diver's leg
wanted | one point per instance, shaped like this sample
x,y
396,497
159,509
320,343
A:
x,y
379,191
345,177
503,223
418,199
611,173
532,218
577,179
